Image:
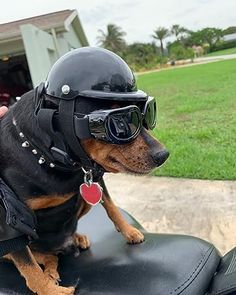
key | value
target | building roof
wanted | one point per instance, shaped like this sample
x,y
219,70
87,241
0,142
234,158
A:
x,y
44,22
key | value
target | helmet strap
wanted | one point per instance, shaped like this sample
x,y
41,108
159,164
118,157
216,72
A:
x,y
66,147
66,124
38,97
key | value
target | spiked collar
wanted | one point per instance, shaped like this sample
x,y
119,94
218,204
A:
x,y
43,156
61,149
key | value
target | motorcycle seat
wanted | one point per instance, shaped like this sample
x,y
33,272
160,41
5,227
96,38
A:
x,y
164,264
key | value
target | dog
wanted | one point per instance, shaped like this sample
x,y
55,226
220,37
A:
x,y
46,191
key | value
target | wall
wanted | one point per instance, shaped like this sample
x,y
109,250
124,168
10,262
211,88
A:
x,y
44,48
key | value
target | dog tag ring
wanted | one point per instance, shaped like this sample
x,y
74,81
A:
x,y
90,191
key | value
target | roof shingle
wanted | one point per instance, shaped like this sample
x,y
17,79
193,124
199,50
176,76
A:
x,y
50,20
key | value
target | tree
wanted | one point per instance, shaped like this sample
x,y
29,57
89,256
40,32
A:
x,y
229,30
209,36
177,51
160,34
141,55
177,31
113,39
212,35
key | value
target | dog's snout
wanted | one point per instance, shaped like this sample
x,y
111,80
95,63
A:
x,y
160,157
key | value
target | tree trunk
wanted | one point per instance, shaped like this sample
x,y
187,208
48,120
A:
x,y
162,48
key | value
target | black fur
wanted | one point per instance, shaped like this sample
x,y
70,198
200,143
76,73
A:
x,y
21,171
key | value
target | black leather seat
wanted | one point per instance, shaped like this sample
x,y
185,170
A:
x,y
162,265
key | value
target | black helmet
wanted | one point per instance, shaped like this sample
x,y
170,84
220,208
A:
x,y
92,72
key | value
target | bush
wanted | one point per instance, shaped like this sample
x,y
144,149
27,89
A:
x,y
223,45
177,51
142,56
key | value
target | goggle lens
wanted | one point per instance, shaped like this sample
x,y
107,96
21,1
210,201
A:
x,y
124,126
150,114
118,126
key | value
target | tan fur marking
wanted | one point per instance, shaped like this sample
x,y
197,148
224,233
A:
x,y
81,241
117,158
83,209
132,234
50,263
35,278
43,202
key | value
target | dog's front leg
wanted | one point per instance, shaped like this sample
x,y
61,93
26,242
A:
x,y
132,234
36,280
50,264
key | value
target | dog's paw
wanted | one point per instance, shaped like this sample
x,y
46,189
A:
x,y
49,287
58,290
81,241
53,275
133,235
50,264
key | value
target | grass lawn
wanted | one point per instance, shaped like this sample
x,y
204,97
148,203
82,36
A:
x,y
223,52
197,119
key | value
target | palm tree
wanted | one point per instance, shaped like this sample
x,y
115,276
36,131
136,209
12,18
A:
x,y
112,39
160,34
177,30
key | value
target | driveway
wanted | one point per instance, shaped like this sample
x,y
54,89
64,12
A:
x,y
206,209
215,58
188,63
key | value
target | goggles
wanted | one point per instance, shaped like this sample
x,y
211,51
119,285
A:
x,y
117,126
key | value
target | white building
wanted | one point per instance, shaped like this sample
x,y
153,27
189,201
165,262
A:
x,y
29,47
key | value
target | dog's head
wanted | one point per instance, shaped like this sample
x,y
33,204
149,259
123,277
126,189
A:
x,y
96,79
141,155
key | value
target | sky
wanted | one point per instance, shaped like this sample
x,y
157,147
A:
x,y
138,18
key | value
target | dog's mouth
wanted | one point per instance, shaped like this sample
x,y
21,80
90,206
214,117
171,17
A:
x,y
137,157
115,165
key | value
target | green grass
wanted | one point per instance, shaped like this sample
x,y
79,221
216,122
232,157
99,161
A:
x,y
223,52
197,119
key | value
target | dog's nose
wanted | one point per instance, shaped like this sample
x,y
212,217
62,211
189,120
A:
x,y
160,157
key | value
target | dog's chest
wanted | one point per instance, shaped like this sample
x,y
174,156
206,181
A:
x,y
44,201
56,224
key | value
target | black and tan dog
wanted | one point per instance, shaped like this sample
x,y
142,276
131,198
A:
x,y
45,190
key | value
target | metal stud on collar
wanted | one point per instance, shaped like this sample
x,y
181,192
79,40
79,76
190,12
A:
x,y
25,144
41,160
40,157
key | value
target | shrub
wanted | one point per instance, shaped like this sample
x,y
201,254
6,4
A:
x,y
142,56
177,51
223,45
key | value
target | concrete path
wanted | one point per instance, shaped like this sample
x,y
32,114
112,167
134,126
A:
x,y
214,58
206,209
188,63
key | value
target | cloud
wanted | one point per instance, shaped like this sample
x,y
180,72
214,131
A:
x,y
137,17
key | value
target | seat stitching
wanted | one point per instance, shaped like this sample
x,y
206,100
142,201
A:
x,y
195,270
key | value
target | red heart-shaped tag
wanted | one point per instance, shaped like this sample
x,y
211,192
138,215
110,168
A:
x,y
92,193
